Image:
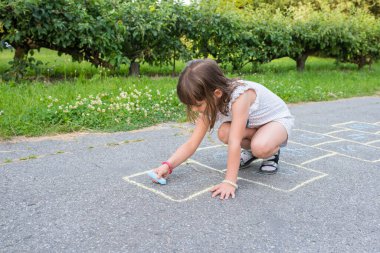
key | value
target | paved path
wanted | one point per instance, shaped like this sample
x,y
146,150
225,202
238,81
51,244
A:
x,y
90,193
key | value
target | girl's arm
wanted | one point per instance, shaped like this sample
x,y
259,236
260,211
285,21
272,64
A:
x,y
240,112
188,148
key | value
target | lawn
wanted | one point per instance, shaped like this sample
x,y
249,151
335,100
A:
x,y
68,96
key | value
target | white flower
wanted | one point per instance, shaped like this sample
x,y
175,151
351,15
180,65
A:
x,y
123,94
1,112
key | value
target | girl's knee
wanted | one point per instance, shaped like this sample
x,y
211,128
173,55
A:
x,y
223,132
262,149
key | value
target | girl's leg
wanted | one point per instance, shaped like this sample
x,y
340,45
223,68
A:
x,y
267,139
224,132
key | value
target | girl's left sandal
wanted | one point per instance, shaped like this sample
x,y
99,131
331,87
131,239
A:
x,y
153,176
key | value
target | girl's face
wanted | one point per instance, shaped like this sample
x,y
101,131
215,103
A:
x,y
199,107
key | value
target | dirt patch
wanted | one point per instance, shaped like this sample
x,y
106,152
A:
x,y
74,135
60,137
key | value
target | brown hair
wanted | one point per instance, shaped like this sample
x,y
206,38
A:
x,y
198,81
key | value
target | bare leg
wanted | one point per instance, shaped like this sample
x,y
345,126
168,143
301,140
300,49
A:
x,y
224,132
267,139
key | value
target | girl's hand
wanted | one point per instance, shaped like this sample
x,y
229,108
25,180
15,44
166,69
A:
x,y
162,171
224,189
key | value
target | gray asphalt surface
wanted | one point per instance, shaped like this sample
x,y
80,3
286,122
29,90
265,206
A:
x,y
90,193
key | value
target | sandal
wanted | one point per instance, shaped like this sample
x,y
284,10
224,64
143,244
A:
x,y
270,165
246,158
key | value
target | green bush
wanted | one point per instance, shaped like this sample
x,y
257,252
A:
x,y
110,33
84,30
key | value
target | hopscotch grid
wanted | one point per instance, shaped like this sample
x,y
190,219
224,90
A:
x,y
326,142
339,138
343,123
319,158
207,189
324,134
338,131
166,196
337,153
371,142
349,122
322,174
360,131
316,146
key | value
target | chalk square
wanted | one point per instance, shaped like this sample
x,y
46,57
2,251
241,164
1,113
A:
x,y
357,136
322,129
214,156
374,144
360,126
297,153
309,138
189,180
288,178
354,150
289,175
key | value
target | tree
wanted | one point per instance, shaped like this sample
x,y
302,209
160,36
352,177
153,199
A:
x,y
84,30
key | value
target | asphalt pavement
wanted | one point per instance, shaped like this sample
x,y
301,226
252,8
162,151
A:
x,y
90,192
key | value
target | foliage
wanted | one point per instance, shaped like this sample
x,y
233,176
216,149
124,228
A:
x,y
109,33
359,40
85,30
153,30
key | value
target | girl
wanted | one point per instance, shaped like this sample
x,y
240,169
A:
x,y
247,114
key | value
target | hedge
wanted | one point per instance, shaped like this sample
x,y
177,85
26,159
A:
x,y
110,33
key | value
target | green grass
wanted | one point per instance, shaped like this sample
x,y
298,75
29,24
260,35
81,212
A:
x,y
69,97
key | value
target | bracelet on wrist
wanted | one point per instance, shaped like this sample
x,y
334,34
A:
x,y
230,183
169,165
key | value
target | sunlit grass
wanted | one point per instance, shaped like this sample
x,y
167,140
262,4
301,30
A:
x,y
71,96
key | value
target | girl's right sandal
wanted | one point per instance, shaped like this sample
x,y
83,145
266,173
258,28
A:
x,y
270,165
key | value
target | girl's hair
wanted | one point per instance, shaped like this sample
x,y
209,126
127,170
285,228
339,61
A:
x,y
198,81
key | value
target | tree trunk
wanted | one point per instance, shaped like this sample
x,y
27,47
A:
x,y
301,60
20,53
173,71
362,61
134,69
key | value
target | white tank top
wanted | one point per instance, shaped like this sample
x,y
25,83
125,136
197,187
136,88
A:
x,y
266,108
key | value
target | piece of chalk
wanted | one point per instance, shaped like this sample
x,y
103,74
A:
x,y
153,175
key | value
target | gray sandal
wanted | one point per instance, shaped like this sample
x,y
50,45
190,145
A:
x,y
270,165
246,158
